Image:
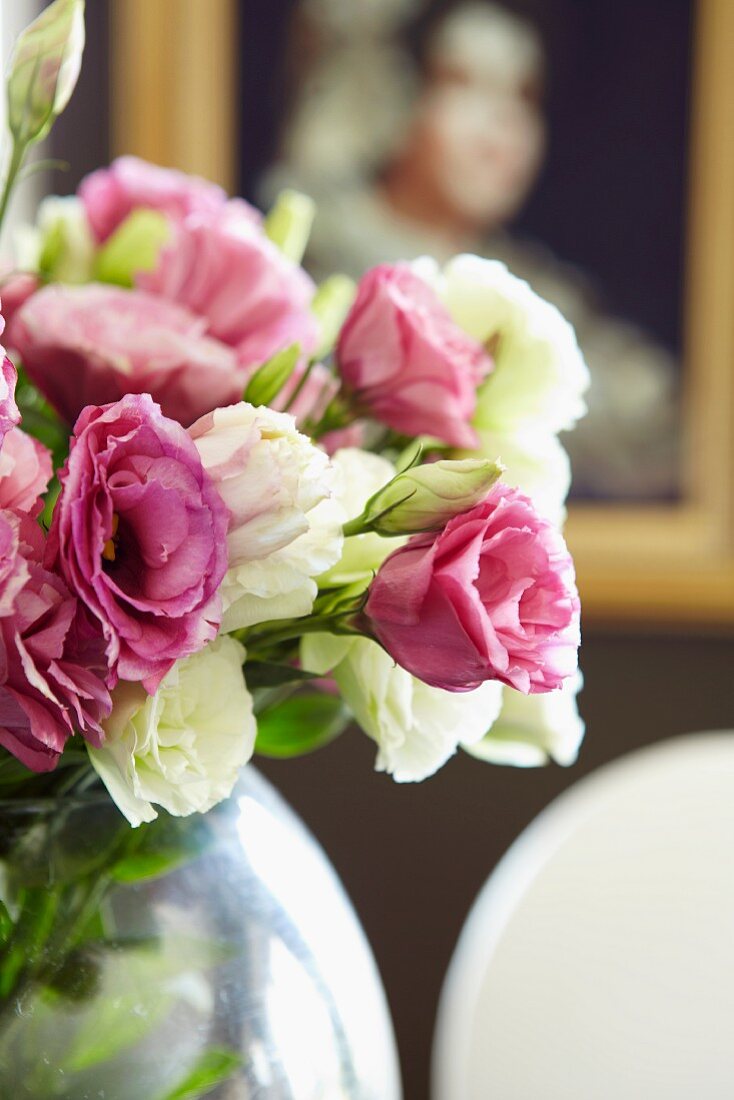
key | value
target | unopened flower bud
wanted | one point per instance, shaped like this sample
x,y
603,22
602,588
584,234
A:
x,y
425,498
44,69
289,223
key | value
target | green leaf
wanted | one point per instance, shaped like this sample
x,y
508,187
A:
x,y
159,847
40,420
6,924
138,991
300,724
117,1023
78,978
12,772
269,674
269,379
211,1070
147,865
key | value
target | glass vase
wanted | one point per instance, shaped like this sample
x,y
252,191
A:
x,y
212,956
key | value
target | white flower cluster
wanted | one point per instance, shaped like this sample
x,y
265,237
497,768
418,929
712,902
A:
x,y
181,748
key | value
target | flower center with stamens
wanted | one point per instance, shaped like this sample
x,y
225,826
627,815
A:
x,y
110,547
493,344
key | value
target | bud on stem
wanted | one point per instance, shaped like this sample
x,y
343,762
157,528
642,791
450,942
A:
x,y
425,498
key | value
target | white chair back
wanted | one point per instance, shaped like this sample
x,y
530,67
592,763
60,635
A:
x,y
598,961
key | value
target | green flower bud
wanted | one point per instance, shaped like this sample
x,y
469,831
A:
x,y
425,498
289,223
44,69
133,247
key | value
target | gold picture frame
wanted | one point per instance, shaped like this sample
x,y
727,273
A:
x,y
174,101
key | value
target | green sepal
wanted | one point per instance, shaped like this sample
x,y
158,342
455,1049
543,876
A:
x,y
269,379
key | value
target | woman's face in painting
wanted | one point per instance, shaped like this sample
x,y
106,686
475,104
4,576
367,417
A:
x,y
479,134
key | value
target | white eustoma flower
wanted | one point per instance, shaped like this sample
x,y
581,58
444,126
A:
x,y
416,727
540,375
285,520
535,462
359,476
531,729
183,747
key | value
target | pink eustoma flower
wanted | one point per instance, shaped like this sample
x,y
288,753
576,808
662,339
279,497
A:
x,y
491,597
139,535
405,360
252,297
15,289
52,665
90,345
9,412
110,194
25,471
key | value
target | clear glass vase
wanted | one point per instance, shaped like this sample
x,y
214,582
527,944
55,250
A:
x,y
213,956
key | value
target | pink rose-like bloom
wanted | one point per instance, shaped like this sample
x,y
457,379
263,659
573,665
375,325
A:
x,y
16,289
9,412
491,597
90,345
52,667
139,534
253,297
405,360
110,194
25,471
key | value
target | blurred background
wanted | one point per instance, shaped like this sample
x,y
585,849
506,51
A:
x,y
555,136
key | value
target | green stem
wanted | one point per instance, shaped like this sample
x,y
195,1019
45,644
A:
x,y
309,624
14,167
358,526
51,924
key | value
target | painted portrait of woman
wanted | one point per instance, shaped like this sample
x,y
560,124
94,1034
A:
x,y
441,128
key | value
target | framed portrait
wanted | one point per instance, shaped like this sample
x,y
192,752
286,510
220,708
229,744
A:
x,y
586,144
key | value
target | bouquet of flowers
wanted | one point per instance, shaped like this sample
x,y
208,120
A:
x,y
239,511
